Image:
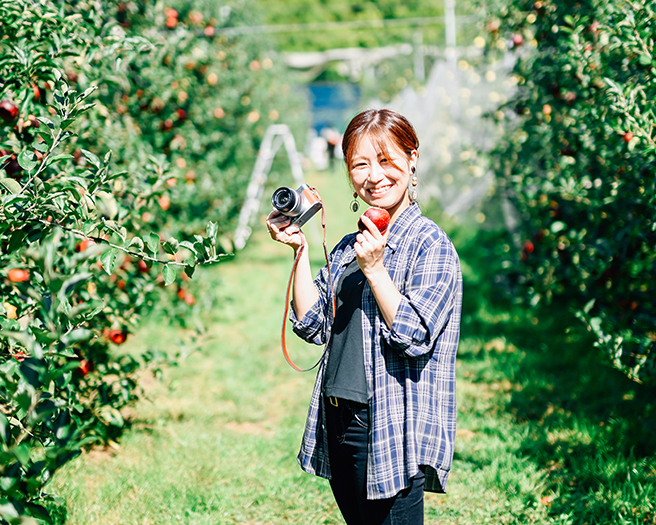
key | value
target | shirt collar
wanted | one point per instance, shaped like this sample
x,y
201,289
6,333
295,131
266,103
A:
x,y
401,224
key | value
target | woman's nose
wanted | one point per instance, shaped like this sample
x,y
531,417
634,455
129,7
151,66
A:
x,y
376,173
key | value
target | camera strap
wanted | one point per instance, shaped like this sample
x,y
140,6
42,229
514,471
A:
x,y
289,288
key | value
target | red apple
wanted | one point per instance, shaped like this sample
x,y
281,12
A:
x,y
118,336
143,267
8,111
85,367
19,355
628,136
517,39
18,275
84,244
378,216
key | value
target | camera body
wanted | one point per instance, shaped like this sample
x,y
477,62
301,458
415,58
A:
x,y
299,205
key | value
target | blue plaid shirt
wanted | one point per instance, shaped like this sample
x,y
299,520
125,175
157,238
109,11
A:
x,y
410,369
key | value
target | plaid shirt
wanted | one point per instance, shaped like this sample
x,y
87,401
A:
x,y
410,369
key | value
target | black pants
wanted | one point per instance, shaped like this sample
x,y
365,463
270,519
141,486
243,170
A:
x,y
348,429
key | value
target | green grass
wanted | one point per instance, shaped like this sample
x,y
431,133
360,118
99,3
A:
x,y
546,434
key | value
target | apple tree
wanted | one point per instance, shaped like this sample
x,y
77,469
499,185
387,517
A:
x,y
125,130
578,160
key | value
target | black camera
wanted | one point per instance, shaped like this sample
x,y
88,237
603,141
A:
x,y
299,205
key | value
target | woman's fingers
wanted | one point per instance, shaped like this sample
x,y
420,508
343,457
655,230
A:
x,y
281,229
371,227
369,247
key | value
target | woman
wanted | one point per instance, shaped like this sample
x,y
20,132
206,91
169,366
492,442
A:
x,y
381,424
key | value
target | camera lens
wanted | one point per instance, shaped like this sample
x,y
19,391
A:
x,y
285,200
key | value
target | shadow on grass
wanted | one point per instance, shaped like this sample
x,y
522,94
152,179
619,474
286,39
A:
x,y
589,428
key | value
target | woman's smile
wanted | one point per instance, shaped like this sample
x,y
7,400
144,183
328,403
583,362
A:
x,y
380,177
380,190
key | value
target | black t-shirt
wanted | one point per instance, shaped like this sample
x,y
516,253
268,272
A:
x,y
344,376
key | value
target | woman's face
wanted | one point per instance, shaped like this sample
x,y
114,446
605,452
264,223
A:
x,y
375,178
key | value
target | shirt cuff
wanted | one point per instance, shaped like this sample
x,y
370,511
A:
x,y
310,327
408,335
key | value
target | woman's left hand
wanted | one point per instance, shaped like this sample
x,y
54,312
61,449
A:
x,y
370,248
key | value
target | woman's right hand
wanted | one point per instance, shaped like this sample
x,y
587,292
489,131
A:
x,y
282,230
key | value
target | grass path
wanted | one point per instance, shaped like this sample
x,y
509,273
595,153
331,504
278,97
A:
x,y
216,443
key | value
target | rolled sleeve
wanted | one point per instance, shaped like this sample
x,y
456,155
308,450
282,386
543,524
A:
x,y
312,327
426,306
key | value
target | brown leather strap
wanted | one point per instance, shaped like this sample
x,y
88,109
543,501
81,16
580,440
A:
x,y
289,288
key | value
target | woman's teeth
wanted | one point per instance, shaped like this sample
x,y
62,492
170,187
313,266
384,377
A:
x,y
378,191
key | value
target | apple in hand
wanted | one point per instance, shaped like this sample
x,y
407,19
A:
x,y
378,216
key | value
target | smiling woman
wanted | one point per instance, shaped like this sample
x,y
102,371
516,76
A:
x,y
381,425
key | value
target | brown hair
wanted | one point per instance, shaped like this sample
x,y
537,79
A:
x,y
384,126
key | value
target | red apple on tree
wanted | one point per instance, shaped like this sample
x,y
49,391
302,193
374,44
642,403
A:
x,y
8,110
517,39
18,275
85,367
118,336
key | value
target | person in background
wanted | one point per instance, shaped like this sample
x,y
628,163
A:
x,y
382,417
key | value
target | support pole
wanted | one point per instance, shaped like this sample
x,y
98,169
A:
x,y
276,135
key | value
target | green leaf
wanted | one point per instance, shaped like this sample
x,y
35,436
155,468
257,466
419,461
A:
x,y
189,270
4,428
91,157
108,260
111,416
558,226
211,232
22,453
10,185
66,122
153,242
644,60
595,323
87,92
77,335
8,512
107,205
138,243
57,158
84,108
27,160
169,274
41,147
171,246
189,246
47,122
89,226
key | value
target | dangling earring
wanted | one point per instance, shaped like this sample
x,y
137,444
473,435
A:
x,y
354,204
413,191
